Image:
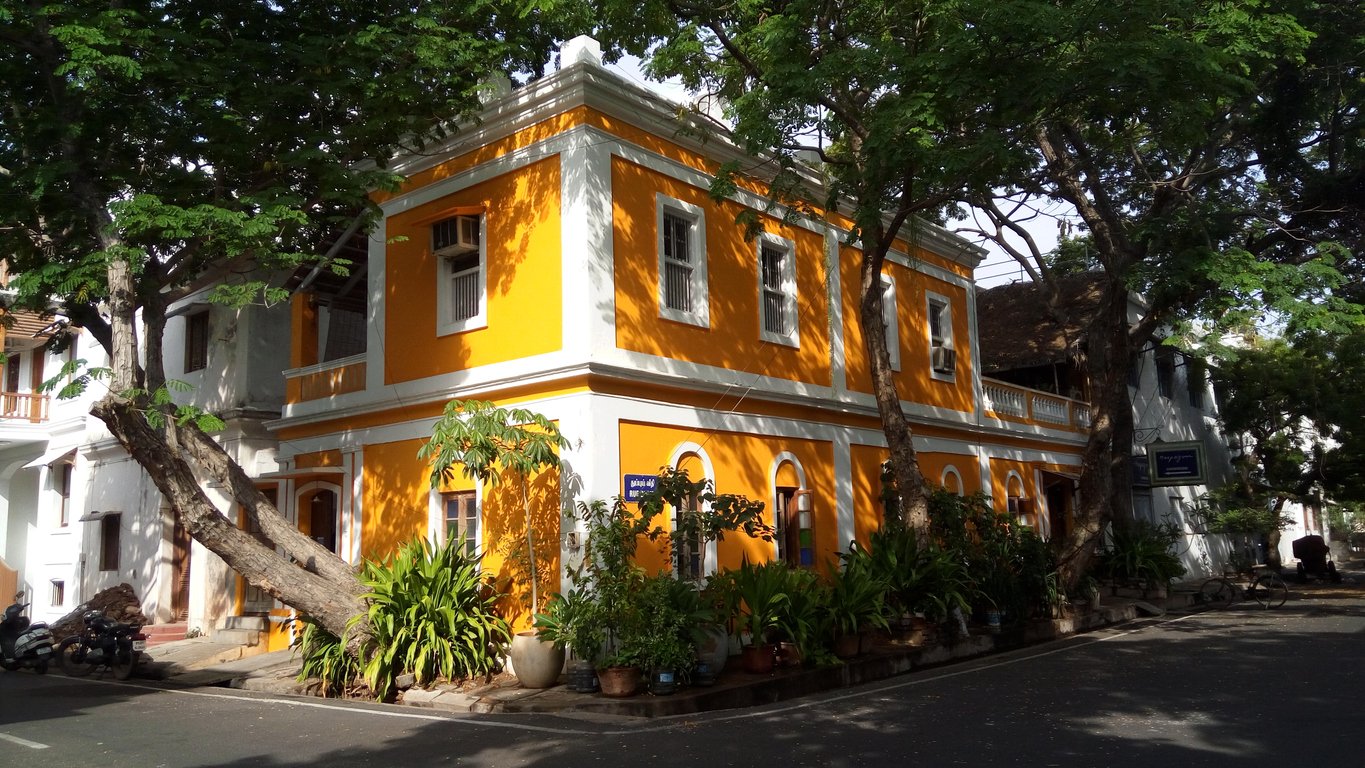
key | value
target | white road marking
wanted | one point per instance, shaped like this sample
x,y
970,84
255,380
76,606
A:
x,y
22,742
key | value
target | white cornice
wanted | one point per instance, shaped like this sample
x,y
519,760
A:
x,y
587,85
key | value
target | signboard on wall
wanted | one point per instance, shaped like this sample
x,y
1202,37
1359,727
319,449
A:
x,y
638,485
1142,477
1176,463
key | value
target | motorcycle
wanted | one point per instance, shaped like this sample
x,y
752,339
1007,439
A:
x,y
102,642
24,643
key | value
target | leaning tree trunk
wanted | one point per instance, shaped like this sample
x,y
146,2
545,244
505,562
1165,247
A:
x,y
331,599
914,501
176,456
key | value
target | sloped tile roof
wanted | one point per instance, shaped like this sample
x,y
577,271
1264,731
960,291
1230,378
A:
x,y
1018,331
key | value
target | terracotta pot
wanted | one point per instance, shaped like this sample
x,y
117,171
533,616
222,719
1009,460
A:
x,y
846,646
758,659
619,682
788,655
536,662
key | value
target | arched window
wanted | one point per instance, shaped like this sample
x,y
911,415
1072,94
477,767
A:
x,y
1019,507
693,559
951,480
794,535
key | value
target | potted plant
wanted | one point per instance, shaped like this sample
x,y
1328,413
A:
x,y
857,601
761,596
490,444
666,611
571,621
716,604
803,620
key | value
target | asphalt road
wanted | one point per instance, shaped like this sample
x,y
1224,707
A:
x,y
1234,688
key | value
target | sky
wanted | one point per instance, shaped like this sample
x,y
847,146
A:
x,y
998,268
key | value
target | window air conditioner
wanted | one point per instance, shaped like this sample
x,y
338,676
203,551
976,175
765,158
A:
x,y
942,359
456,236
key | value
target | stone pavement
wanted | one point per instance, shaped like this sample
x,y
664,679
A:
x,y
201,662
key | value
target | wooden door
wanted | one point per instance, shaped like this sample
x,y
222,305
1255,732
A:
x,y
180,570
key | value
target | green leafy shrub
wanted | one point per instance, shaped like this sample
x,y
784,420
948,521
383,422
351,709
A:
x,y
432,615
661,637
1141,551
804,619
857,594
324,657
761,596
921,577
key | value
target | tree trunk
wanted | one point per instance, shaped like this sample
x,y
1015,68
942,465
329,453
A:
x,y
914,501
176,457
328,601
1105,458
530,547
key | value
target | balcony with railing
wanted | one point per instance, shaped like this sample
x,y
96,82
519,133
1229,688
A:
x,y
1009,402
23,406
324,380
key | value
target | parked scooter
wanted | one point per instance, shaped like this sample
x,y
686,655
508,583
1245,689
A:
x,y
102,642
24,643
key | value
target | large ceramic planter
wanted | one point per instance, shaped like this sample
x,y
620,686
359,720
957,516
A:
x,y
619,682
758,659
713,650
536,662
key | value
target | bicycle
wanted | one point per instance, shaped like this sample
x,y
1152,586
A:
x,y
1268,589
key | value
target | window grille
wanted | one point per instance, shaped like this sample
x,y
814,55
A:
x,y
678,265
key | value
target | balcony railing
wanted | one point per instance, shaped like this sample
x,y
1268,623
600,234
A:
x,y
334,377
23,406
1013,403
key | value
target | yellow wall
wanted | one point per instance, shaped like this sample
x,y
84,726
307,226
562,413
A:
x,y
394,498
968,468
914,382
1000,471
732,340
396,502
741,464
522,235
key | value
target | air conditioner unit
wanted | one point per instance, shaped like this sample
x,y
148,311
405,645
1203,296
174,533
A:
x,y
943,359
455,236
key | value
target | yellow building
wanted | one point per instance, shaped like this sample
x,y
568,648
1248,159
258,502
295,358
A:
x,y
564,255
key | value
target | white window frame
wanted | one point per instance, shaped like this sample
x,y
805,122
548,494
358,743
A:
x,y
709,554
775,468
445,324
951,471
791,337
890,321
1012,499
436,516
700,314
945,313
